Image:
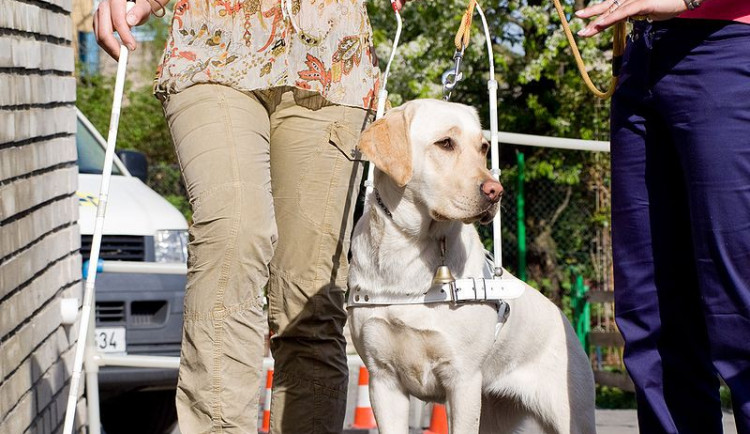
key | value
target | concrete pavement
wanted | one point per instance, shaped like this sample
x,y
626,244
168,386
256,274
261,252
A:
x,y
625,422
607,422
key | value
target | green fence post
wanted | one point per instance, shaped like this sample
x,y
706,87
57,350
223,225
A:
x,y
520,216
581,312
586,320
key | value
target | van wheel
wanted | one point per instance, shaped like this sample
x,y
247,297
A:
x,y
151,412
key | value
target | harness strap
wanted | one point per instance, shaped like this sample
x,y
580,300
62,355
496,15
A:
x,y
463,34
461,291
481,290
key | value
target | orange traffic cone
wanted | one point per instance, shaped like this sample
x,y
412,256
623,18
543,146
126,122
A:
x,y
438,420
267,403
363,415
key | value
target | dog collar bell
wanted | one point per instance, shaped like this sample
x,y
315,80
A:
x,y
443,274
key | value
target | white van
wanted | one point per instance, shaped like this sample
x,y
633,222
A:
x,y
135,313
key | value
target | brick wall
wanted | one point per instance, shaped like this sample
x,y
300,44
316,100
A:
x,y
39,237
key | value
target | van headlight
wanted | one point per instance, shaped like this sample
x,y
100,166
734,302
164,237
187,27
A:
x,y
171,246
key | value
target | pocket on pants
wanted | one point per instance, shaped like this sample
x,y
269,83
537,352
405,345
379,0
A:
x,y
345,140
329,183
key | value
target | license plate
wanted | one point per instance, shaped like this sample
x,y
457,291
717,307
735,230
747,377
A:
x,y
110,339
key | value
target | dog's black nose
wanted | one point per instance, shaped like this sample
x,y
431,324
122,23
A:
x,y
492,189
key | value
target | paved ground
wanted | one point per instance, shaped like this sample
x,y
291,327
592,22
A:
x,y
624,422
610,422
607,421
616,422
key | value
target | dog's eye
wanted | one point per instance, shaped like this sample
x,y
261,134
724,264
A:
x,y
446,143
485,147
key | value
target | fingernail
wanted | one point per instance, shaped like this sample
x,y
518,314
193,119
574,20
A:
x,y
131,20
131,46
584,32
579,12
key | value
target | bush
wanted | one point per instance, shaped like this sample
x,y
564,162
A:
x,y
142,127
614,398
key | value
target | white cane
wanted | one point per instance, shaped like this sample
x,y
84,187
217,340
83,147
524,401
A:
x,y
383,96
85,333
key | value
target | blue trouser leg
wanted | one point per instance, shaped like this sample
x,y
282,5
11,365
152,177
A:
x,y
681,222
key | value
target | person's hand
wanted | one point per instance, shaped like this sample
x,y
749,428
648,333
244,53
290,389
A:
x,y
398,4
110,16
612,11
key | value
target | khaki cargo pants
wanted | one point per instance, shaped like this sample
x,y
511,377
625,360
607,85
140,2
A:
x,y
273,183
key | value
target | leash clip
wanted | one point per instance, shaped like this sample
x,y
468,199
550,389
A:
x,y
452,76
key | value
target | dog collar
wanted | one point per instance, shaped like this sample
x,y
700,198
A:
x,y
385,209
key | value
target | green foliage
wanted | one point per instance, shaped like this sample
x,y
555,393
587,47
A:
x,y
540,92
614,398
142,125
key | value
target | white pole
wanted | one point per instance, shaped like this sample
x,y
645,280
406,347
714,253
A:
x,y
144,267
85,334
137,361
551,142
92,383
383,97
497,243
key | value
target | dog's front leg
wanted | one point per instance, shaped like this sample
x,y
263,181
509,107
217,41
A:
x,y
465,402
390,404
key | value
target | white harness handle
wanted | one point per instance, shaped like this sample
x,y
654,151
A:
x,y
490,287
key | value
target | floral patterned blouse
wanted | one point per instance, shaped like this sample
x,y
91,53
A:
x,y
324,46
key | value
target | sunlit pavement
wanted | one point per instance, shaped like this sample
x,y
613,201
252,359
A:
x,y
625,422
607,422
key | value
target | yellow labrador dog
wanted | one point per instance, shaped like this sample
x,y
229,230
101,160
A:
x,y
431,184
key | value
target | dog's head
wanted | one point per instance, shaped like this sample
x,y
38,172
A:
x,y
436,150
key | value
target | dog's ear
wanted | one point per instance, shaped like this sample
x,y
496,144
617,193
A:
x,y
386,144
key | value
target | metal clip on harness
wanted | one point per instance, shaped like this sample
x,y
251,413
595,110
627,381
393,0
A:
x,y
452,76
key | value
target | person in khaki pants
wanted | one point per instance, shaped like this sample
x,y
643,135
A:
x,y
265,100
272,201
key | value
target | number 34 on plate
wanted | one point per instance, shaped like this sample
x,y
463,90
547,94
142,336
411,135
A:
x,y
110,339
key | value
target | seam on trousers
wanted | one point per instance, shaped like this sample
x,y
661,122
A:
x,y
326,228
303,177
226,312
216,382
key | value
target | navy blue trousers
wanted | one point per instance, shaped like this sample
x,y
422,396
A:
x,y
681,221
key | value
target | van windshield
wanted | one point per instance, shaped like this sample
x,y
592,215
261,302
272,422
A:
x,y
90,152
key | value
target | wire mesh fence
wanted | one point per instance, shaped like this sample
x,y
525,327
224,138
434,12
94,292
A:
x,y
563,216
556,232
